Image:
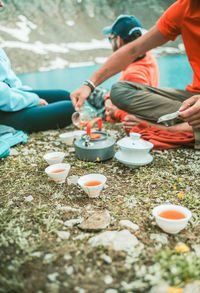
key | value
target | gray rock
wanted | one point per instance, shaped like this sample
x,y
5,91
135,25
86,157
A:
x,y
117,240
129,224
52,22
73,222
63,234
97,221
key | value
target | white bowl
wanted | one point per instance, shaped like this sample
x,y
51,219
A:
x,y
92,191
54,158
67,137
58,177
171,226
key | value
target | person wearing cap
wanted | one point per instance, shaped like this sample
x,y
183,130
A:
x,y
30,110
144,69
181,18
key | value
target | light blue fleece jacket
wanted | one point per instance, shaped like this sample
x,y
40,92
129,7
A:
x,y
12,96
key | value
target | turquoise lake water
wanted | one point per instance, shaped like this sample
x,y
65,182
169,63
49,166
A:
x,y
175,72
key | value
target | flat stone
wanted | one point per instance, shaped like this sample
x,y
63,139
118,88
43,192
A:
x,y
82,236
97,221
28,198
67,208
129,224
73,222
63,234
117,240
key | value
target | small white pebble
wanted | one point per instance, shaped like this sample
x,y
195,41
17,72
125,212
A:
x,y
67,257
28,198
108,280
69,270
106,258
52,277
48,256
63,234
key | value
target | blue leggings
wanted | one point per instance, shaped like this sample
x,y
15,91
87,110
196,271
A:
x,y
57,114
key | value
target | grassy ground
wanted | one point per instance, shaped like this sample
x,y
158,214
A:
x,y
34,259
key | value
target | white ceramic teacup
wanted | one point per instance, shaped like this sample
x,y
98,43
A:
x,y
54,157
58,172
67,137
171,226
92,191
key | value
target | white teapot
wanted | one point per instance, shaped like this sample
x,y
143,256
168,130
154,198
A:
x,y
134,152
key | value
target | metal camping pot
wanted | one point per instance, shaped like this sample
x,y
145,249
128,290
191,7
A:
x,y
94,146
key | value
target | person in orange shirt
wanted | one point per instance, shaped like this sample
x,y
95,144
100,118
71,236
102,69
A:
x,y
144,69
181,18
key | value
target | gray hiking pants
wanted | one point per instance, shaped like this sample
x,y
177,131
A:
x,y
150,103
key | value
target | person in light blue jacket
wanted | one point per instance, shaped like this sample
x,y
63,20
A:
x,y
30,110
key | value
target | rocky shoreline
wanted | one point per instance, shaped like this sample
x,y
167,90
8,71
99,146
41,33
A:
x,y
25,25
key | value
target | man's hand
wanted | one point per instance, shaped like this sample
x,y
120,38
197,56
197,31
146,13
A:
x,y
110,109
42,102
190,111
78,96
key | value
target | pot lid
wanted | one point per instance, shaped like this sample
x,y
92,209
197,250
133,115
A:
x,y
134,142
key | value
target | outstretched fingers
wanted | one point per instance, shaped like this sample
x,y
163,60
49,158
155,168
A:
x,y
78,96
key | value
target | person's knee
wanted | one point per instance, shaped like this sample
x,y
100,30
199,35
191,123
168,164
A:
x,y
64,94
116,94
122,94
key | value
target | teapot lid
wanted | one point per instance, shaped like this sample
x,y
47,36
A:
x,y
134,142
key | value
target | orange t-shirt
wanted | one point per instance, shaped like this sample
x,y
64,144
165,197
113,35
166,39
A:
x,y
143,71
183,17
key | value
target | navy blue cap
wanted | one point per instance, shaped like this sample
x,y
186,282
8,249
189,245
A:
x,y
124,26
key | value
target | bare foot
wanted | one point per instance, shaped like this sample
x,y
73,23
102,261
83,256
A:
x,y
110,109
131,120
181,127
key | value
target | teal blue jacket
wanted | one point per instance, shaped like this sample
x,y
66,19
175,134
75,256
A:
x,y
13,96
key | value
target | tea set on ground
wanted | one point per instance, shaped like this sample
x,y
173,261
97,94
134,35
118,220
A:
x,y
98,146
